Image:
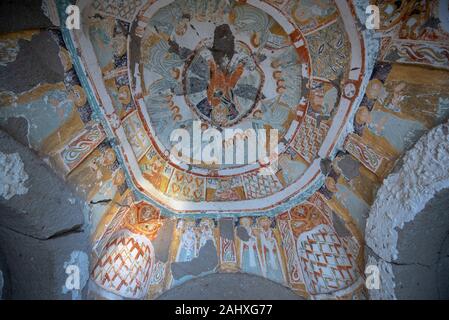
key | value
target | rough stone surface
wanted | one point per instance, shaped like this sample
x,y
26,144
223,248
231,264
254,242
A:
x,y
206,261
51,11
230,286
415,281
227,229
37,62
22,15
242,233
12,176
1,284
4,277
3,272
402,196
423,239
48,208
386,276
17,127
37,266
442,268
349,166
423,244
163,240
339,226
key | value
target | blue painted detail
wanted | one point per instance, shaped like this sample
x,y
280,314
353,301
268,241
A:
x,y
139,196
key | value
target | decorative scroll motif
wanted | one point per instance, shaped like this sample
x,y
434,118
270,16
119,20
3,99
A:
x,y
365,154
417,53
158,273
293,267
79,148
228,253
415,32
227,250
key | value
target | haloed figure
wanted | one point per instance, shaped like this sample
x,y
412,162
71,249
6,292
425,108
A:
x,y
270,251
188,248
223,76
249,256
206,227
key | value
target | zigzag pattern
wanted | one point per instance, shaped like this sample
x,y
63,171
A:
x,y
124,267
326,261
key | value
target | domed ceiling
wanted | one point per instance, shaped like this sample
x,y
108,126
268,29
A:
x,y
333,106
240,65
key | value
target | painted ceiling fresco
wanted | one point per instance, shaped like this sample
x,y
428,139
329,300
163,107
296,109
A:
x,y
240,65
347,103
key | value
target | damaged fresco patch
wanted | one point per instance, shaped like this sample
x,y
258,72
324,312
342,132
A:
x,y
12,176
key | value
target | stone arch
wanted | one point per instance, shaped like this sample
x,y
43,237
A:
x,y
405,196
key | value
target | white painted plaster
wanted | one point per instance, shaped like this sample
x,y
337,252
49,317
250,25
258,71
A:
x,y
386,278
404,194
12,176
81,260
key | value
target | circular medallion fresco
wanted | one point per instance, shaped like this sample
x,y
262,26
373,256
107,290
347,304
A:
x,y
246,67
227,66
222,81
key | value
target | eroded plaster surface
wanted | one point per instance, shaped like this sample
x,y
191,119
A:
x,y
403,195
12,176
